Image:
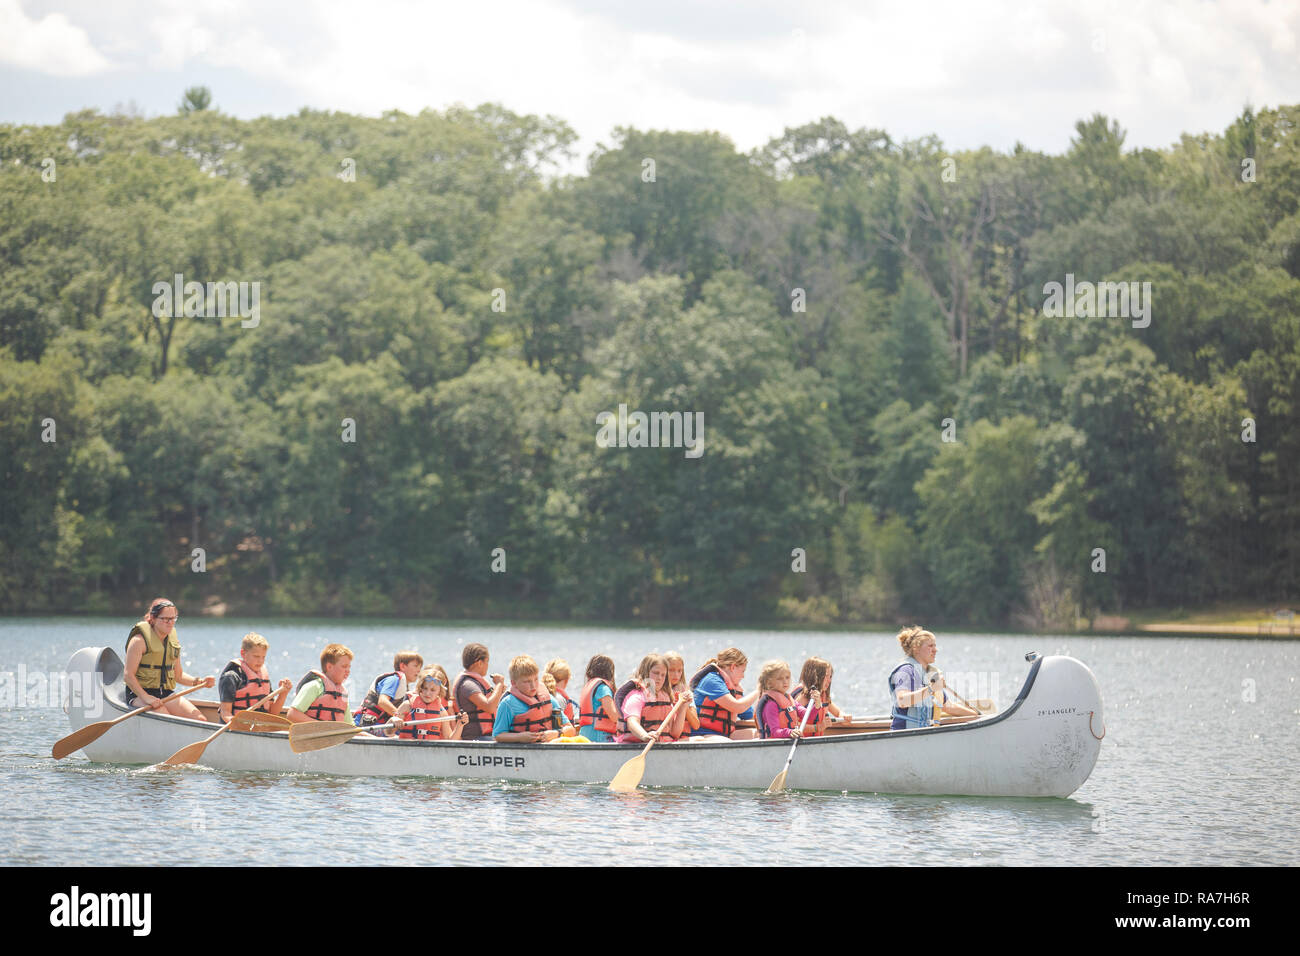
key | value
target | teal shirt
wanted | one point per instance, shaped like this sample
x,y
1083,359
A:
x,y
589,731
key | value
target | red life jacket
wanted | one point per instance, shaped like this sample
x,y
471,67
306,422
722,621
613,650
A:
x,y
422,711
587,713
332,702
653,712
255,688
715,719
813,728
570,707
370,706
480,721
538,717
787,716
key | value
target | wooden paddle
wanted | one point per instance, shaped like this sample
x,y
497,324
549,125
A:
x,y
192,752
778,782
92,732
629,775
312,735
260,723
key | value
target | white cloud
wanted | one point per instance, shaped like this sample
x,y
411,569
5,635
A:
x,y
50,45
990,73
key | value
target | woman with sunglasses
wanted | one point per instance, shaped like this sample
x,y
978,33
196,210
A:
x,y
153,663
913,692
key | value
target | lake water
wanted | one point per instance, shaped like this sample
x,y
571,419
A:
x,y
1198,765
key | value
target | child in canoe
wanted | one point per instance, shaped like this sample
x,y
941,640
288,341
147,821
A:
x,y
677,684
645,702
777,713
817,673
245,681
474,694
429,700
597,714
320,694
718,697
560,670
389,690
526,714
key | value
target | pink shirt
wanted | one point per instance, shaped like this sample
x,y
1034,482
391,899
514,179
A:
x,y
772,716
633,704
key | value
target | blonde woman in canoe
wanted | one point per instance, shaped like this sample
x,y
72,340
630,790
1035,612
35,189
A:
x,y
153,663
719,699
912,696
677,684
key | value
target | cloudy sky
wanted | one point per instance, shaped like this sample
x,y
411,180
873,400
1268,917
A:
x,y
975,73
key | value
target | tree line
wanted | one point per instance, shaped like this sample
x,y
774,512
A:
x,y
894,425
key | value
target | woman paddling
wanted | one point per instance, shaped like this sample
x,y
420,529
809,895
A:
x,y
911,696
718,698
153,663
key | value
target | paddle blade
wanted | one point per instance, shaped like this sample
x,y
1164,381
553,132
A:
x,y
320,735
78,739
259,723
188,754
629,775
778,783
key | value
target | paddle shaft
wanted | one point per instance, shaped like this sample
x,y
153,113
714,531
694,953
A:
x,y
780,777
671,714
165,700
192,758
92,732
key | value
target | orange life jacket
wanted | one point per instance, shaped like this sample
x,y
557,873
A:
x,y
814,726
588,716
653,712
787,716
258,686
422,711
332,703
480,721
570,707
715,719
538,717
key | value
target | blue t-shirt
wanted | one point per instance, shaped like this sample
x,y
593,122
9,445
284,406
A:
x,y
391,685
509,708
589,731
711,687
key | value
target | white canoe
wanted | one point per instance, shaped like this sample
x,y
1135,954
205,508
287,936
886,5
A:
x,y
1043,745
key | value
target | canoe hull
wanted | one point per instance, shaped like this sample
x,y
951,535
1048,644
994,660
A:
x,y
1044,745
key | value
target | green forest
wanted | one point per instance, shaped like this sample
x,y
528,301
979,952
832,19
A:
x,y
896,426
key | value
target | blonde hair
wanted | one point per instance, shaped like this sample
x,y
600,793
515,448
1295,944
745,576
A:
x,y
402,658
549,680
522,666
910,638
771,670
559,669
432,672
729,657
671,657
251,640
332,653
442,673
